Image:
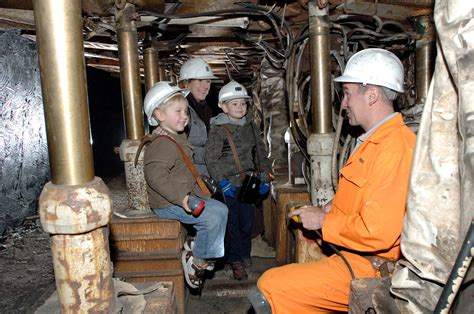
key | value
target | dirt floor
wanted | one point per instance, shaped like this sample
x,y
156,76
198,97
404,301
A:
x,y
27,277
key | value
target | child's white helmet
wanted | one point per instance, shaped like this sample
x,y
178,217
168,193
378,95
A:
x,y
374,66
232,90
197,69
158,94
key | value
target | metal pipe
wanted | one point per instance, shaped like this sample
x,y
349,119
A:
x,y
459,271
61,60
75,207
320,69
321,141
130,74
150,59
425,56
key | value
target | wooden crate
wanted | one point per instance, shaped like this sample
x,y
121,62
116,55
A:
x,y
149,249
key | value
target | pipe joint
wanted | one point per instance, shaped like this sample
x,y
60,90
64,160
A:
x,y
320,144
75,209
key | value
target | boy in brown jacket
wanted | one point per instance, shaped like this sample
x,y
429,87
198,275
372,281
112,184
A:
x,y
170,181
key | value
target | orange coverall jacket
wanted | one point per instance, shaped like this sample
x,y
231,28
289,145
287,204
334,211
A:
x,y
366,216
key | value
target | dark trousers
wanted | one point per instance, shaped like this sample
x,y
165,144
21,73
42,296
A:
x,y
239,230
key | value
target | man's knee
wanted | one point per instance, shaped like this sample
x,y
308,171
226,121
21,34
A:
x,y
267,279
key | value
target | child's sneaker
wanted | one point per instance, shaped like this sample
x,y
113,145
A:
x,y
192,273
189,246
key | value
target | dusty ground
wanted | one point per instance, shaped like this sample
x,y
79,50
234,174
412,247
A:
x,y
27,277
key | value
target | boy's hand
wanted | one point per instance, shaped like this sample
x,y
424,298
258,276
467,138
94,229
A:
x,y
264,188
228,188
184,204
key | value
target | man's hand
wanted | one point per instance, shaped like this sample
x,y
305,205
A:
x,y
311,217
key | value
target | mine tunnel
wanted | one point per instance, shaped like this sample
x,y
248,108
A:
x,y
359,163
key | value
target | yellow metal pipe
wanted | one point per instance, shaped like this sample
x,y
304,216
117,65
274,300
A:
x,y
150,59
320,69
130,76
61,60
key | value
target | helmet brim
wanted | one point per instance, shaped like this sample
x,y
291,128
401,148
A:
x,y
351,79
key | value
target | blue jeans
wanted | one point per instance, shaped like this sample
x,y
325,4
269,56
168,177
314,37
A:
x,y
210,227
239,230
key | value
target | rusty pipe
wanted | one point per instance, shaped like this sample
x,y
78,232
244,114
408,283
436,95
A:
x,y
130,74
320,69
61,60
425,56
150,59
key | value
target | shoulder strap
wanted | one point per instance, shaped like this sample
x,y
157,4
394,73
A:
x,y
190,165
145,140
234,151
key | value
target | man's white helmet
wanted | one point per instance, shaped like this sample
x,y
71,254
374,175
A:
x,y
374,66
158,94
232,90
196,69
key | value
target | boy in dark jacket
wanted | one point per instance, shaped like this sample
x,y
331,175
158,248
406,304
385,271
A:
x,y
170,182
222,167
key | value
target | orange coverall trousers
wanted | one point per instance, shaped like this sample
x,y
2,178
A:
x,y
291,288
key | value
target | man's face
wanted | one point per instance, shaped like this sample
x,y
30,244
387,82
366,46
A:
x,y
355,103
199,88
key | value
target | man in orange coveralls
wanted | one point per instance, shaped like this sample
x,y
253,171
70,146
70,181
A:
x,y
366,214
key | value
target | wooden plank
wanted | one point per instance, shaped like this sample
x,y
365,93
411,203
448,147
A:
x,y
146,265
158,228
147,245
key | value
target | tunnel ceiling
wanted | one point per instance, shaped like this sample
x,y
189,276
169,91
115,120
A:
x,y
232,36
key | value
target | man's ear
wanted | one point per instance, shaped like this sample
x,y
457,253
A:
x,y
373,95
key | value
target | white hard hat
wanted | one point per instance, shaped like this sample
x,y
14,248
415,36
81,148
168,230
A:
x,y
232,90
196,68
158,94
374,66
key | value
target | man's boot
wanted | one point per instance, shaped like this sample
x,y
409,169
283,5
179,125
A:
x,y
258,301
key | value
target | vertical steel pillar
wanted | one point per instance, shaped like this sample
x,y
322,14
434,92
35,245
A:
x,y
321,141
75,206
425,56
133,113
150,59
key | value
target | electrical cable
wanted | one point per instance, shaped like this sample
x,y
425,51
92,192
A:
x,y
338,254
